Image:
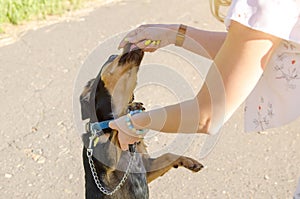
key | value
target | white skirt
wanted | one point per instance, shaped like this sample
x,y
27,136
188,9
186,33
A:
x,y
275,101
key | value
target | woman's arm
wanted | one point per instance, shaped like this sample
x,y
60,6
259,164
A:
x,y
237,68
201,42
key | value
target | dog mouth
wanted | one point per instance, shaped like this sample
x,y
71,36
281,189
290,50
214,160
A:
x,y
131,54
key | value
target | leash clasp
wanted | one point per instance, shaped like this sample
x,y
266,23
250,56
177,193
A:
x,y
89,152
95,131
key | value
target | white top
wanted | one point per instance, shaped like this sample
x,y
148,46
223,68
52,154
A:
x,y
275,101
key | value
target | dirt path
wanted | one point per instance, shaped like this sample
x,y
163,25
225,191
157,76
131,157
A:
x,y
41,149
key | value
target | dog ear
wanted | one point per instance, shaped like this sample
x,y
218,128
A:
x,y
85,114
85,98
111,59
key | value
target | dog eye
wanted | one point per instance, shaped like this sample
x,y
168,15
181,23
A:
x,y
112,58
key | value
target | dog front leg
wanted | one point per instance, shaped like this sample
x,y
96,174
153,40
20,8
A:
x,y
159,166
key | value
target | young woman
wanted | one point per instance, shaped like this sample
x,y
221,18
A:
x,y
257,60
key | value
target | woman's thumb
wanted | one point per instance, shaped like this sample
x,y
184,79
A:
x,y
112,124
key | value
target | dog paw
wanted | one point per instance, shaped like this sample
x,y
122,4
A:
x,y
135,106
188,163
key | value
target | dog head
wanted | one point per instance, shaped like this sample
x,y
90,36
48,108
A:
x,y
108,95
119,78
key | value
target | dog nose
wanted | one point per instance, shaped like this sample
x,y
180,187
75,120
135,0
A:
x,y
129,47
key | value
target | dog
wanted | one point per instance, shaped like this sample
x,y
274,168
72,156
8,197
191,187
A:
x,y
104,98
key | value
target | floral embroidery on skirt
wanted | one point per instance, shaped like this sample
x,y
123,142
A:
x,y
276,98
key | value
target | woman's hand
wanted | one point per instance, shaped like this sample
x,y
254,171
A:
x,y
151,37
125,135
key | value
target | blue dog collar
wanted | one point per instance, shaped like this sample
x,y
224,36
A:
x,y
97,126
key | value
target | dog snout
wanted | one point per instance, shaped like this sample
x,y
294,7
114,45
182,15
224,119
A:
x,y
131,54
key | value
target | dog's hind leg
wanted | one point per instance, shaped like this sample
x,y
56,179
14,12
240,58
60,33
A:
x,y
157,167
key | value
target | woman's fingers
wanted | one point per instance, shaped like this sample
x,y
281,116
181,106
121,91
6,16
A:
x,y
148,45
151,35
112,124
153,46
123,43
133,36
124,138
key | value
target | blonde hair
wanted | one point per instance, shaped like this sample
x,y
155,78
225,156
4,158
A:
x,y
215,6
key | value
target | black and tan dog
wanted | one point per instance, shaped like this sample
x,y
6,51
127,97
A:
x,y
107,96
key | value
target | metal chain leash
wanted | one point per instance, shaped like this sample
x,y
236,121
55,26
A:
x,y
94,172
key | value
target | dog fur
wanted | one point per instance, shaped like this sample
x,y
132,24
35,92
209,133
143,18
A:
x,y
113,96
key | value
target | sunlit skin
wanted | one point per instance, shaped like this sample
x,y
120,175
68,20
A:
x,y
239,56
